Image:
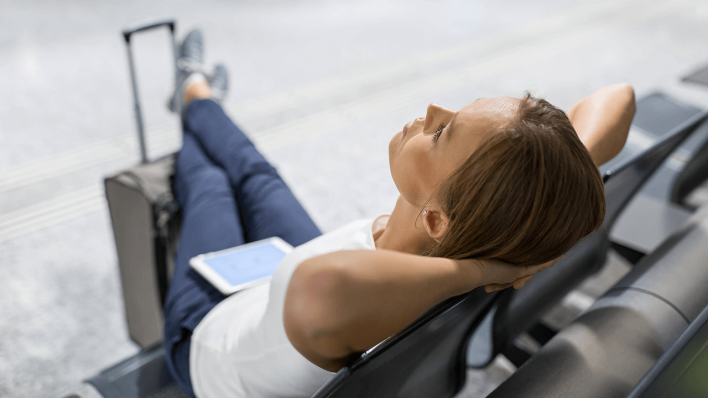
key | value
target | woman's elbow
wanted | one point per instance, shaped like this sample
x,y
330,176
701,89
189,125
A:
x,y
625,93
311,302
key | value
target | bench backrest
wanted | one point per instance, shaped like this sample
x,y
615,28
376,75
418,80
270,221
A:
x,y
427,360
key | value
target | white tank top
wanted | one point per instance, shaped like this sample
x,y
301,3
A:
x,y
240,348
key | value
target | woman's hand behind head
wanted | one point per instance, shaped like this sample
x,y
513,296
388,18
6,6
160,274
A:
x,y
498,275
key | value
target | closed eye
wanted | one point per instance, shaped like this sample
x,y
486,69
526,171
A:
x,y
436,134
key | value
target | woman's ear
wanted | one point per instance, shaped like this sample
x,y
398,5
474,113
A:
x,y
435,222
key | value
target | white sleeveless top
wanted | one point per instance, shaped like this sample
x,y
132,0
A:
x,y
240,348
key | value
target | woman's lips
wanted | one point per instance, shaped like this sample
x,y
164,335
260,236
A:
x,y
405,129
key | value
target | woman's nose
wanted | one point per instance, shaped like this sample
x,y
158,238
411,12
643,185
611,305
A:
x,y
436,115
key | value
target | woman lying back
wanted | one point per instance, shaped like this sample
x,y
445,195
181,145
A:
x,y
503,179
489,196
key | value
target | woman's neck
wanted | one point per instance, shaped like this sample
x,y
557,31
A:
x,y
401,233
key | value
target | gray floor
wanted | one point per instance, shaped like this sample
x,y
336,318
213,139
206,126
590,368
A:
x,y
320,86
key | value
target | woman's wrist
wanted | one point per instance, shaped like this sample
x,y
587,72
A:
x,y
471,275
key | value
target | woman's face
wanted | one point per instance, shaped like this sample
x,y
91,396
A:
x,y
430,148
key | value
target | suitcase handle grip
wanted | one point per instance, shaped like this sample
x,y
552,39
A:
x,y
170,23
147,26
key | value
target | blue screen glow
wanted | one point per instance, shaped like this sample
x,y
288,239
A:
x,y
247,265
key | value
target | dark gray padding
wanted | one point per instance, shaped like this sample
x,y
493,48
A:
x,y
660,274
425,361
694,173
144,375
602,354
517,310
659,114
607,350
681,371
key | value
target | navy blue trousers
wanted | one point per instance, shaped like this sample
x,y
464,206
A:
x,y
229,195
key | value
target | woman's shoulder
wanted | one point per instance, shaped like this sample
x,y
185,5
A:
x,y
379,225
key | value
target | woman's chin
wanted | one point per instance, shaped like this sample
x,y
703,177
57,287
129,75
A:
x,y
393,147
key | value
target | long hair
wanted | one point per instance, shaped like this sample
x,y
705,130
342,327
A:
x,y
526,195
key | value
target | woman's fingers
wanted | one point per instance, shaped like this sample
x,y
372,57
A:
x,y
497,275
551,263
519,283
493,287
495,272
534,269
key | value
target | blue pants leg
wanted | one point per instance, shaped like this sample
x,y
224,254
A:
x,y
210,222
229,195
268,207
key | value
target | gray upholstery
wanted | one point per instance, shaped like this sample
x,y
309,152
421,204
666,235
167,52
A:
x,y
607,350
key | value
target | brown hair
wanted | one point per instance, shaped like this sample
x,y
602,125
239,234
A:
x,y
526,195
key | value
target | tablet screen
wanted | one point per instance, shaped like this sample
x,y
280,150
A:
x,y
246,264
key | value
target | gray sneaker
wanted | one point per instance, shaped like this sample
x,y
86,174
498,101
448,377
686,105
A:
x,y
190,65
219,83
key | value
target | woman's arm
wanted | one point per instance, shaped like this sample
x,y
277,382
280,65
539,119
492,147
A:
x,y
348,301
602,120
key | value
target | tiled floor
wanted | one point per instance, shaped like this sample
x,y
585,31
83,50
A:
x,y
321,86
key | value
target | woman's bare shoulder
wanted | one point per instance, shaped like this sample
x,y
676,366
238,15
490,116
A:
x,y
379,225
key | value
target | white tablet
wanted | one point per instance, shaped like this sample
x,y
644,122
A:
x,y
242,266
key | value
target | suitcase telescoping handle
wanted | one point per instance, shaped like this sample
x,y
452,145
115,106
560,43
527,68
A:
x,y
170,23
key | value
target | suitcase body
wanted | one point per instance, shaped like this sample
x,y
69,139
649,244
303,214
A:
x,y
145,220
146,230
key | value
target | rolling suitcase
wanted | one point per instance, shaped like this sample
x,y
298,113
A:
x,y
145,219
